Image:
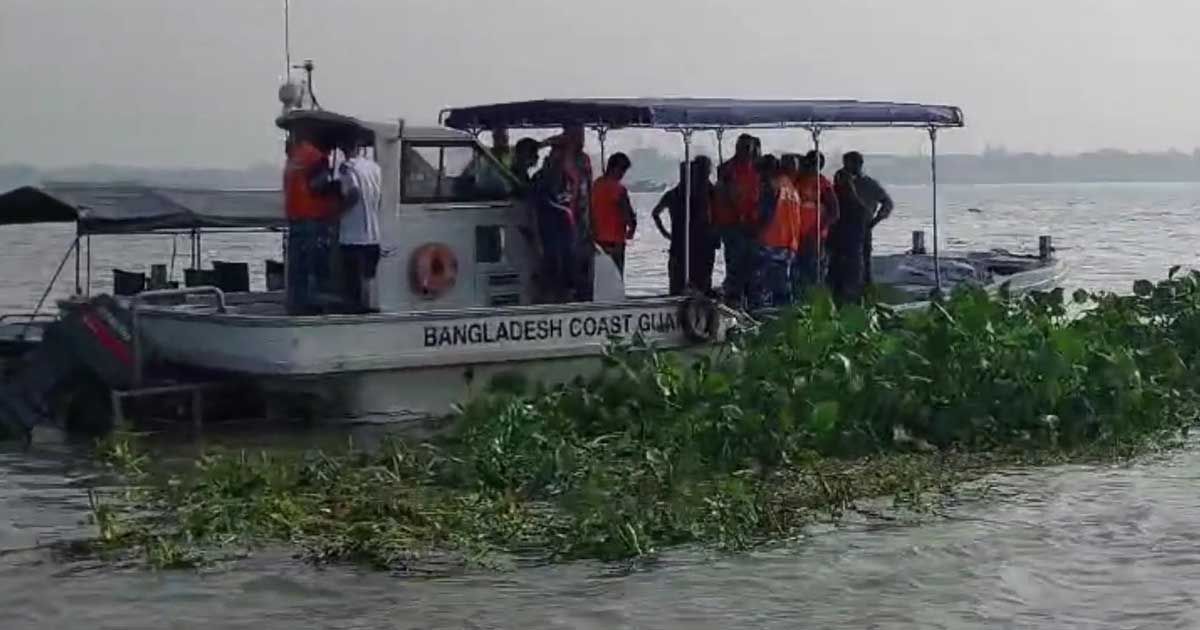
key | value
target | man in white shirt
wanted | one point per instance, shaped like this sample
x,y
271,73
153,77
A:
x,y
360,182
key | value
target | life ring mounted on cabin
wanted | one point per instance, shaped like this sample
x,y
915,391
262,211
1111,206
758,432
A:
x,y
433,270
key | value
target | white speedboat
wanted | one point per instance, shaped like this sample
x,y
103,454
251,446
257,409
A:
x,y
420,353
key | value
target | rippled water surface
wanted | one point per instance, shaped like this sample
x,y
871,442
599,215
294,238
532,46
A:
x,y
1067,547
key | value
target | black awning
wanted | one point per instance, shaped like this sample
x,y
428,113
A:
x,y
132,208
702,113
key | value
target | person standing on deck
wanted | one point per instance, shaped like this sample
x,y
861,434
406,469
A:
x,y
500,147
613,219
802,274
876,202
524,159
779,237
696,248
735,216
311,204
848,240
811,185
361,184
562,195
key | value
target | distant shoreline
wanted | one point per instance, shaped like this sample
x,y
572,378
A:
x,y
654,169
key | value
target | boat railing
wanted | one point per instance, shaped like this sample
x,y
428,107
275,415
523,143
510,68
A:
x,y
136,301
28,316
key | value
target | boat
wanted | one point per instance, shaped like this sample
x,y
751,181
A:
x,y
421,353
647,186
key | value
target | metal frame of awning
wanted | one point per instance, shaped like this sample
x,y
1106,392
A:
x,y
585,116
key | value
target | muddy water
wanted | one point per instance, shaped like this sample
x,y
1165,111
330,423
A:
x,y
1067,547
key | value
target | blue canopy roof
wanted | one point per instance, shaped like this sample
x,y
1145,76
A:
x,y
702,113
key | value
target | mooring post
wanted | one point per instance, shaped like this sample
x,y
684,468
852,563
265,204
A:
x,y
1045,247
197,408
918,242
117,400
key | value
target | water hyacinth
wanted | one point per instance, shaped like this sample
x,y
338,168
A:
x,y
818,409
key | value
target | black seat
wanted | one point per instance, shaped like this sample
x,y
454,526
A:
x,y
275,274
232,277
198,278
128,282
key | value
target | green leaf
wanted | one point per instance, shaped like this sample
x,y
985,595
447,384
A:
x,y
854,319
1143,288
824,417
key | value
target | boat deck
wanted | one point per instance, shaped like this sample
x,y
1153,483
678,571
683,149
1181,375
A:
x,y
20,333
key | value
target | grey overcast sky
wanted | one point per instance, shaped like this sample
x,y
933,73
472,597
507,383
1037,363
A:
x,y
192,82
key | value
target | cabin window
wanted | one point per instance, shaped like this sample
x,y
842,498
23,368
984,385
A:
x,y
451,173
489,243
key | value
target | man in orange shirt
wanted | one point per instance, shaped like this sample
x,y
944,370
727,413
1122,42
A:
x,y
613,219
735,216
811,185
311,202
778,237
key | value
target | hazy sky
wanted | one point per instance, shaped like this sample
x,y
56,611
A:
x,y
192,82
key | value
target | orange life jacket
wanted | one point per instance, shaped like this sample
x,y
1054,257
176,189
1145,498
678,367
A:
x,y
300,202
737,203
608,216
806,185
784,229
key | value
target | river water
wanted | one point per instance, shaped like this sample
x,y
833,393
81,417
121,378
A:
x,y
1063,547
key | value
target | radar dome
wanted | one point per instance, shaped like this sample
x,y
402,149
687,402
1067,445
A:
x,y
291,95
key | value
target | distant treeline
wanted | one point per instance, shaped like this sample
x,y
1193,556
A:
x,y
1001,167
257,176
993,166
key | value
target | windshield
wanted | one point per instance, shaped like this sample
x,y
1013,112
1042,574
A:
x,y
439,172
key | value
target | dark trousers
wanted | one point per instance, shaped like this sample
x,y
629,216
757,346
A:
x,y
772,286
739,263
804,273
700,278
583,281
867,278
616,251
310,245
560,267
847,272
359,263
848,247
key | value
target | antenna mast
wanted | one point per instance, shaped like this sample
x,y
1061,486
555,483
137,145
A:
x,y
287,39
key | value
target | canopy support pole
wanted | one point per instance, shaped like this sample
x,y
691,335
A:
x,y
37,310
88,291
195,250
816,140
78,287
602,135
687,208
720,150
937,267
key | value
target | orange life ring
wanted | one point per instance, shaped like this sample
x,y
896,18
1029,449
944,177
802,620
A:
x,y
433,270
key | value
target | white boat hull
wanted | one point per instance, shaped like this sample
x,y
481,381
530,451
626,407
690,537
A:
x,y
408,364
421,364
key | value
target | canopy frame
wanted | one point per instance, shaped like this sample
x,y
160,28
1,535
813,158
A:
x,y
687,116
702,114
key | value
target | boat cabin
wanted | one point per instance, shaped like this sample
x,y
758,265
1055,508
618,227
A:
x,y
442,189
